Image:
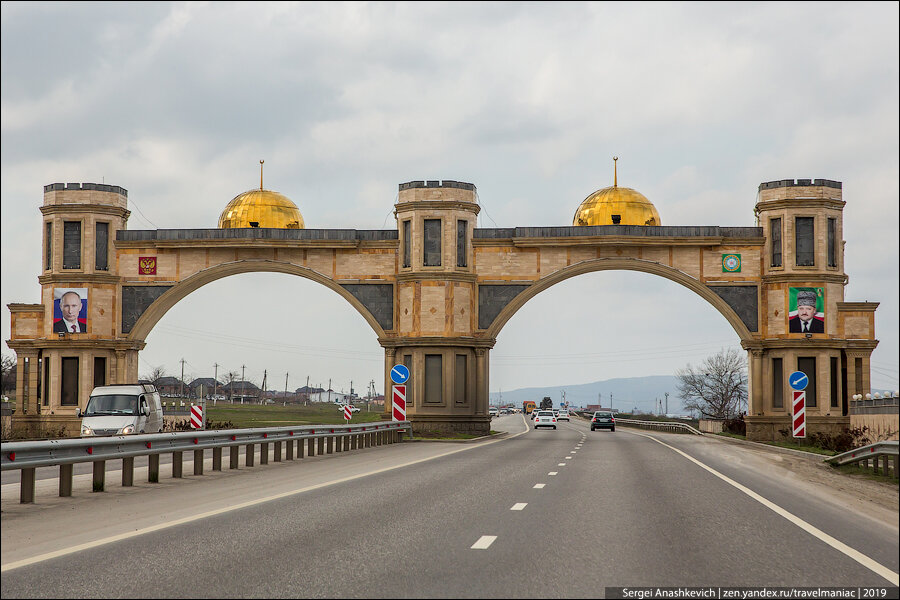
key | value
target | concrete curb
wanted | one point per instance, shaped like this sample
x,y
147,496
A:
x,y
777,449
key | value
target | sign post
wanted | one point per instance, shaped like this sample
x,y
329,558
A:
x,y
798,381
399,375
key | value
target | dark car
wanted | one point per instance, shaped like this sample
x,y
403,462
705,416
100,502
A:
x,y
603,420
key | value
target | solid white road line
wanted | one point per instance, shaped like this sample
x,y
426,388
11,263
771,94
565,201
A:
x,y
484,542
519,506
856,555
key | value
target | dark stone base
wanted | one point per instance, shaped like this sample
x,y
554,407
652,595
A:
x,y
478,426
773,429
42,427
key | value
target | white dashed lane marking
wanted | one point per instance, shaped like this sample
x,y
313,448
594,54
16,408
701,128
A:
x,y
561,464
519,506
552,472
539,486
484,542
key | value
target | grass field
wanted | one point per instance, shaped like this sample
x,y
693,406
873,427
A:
x,y
255,415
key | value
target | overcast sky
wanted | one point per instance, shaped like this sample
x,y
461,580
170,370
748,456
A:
x,y
177,103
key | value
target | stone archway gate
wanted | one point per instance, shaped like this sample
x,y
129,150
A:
x,y
437,291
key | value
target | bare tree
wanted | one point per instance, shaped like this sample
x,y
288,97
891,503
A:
x,y
9,373
155,374
718,387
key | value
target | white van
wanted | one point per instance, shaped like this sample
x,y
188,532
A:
x,y
122,410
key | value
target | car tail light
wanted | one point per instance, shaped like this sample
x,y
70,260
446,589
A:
x,y
554,420
594,420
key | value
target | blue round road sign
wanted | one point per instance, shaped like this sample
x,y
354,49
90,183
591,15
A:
x,y
399,374
798,380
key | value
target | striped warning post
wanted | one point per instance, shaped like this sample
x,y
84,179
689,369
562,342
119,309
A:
x,y
347,412
799,413
398,399
196,417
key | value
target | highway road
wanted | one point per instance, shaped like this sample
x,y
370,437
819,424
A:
x,y
549,513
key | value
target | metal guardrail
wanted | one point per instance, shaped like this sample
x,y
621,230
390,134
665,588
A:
x,y
661,425
883,452
27,456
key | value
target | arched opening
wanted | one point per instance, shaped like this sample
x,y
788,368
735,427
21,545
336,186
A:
x,y
572,331
248,322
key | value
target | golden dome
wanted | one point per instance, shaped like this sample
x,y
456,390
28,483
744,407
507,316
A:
x,y
616,206
261,208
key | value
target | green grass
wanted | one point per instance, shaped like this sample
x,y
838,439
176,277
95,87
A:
x,y
256,415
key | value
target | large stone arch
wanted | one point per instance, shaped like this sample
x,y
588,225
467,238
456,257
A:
x,y
620,264
182,289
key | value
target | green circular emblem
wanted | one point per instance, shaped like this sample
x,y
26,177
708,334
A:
x,y
731,263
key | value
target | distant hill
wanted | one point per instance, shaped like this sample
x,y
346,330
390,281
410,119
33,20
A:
x,y
627,393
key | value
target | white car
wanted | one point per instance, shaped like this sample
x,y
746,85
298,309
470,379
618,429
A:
x,y
353,409
563,415
544,418
493,412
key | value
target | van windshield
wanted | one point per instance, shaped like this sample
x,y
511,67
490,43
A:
x,y
115,404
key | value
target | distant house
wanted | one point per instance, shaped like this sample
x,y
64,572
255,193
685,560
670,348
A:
x,y
333,396
170,387
241,390
205,387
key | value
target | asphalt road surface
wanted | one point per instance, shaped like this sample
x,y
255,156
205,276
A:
x,y
548,513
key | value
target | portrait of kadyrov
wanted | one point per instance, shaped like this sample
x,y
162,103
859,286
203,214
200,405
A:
x,y
806,314
70,310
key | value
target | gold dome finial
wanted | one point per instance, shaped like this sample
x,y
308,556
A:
x,y
616,206
261,161
615,172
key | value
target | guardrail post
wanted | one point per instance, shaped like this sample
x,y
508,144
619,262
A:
x,y
300,444
217,459
26,486
65,479
896,463
250,455
321,446
289,450
177,465
234,453
353,441
198,462
277,456
99,475
311,446
338,443
264,453
346,443
153,470
330,442
128,471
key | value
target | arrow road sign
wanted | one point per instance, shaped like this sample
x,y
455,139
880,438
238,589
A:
x,y
399,374
798,380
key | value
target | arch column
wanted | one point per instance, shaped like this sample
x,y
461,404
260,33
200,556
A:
x,y
757,385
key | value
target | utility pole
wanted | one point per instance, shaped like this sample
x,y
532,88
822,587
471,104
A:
x,y
610,401
285,386
329,389
242,383
667,402
262,397
216,384
307,390
181,393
